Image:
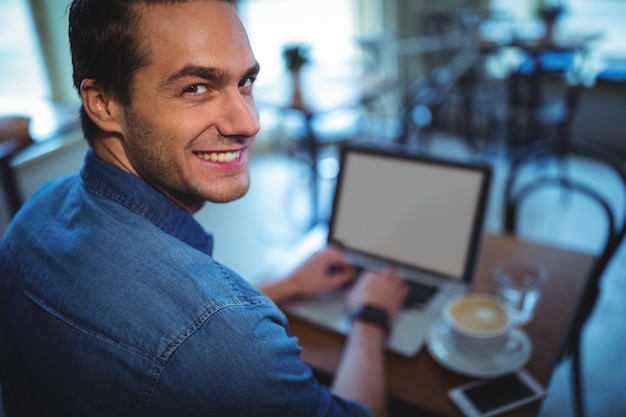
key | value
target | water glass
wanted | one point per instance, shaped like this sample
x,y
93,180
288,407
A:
x,y
520,285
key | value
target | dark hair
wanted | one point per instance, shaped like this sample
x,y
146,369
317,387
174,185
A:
x,y
105,47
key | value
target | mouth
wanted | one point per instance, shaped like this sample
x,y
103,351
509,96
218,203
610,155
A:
x,y
228,156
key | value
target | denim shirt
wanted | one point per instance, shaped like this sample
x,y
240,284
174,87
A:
x,y
111,305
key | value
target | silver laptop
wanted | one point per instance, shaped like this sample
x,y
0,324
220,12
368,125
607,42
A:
x,y
420,214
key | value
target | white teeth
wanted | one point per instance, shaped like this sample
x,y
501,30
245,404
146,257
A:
x,y
220,157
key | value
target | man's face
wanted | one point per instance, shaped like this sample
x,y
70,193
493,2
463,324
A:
x,y
192,119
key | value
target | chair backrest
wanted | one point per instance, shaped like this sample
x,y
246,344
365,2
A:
x,y
518,189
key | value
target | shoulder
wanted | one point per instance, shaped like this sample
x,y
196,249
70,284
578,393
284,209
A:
x,y
114,274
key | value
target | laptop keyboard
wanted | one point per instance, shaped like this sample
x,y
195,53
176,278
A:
x,y
419,294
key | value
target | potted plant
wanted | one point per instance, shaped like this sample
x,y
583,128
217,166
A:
x,y
295,57
550,14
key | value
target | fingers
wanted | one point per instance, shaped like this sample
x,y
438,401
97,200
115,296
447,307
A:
x,y
335,264
385,289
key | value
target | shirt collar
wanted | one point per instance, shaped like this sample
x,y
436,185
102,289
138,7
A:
x,y
137,195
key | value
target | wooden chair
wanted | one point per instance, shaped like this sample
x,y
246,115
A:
x,y
520,188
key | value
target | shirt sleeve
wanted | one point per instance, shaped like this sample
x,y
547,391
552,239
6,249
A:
x,y
242,362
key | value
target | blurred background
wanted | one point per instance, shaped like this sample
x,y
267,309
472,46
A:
x,y
467,79
375,70
366,59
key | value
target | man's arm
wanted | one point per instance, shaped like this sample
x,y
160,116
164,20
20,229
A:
x,y
361,372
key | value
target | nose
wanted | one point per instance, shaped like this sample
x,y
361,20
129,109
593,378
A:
x,y
240,116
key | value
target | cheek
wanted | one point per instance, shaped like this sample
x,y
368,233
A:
x,y
187,125
179,131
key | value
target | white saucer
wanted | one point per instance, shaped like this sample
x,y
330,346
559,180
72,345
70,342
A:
x,y
499,364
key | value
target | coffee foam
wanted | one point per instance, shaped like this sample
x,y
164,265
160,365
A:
x,y
479,314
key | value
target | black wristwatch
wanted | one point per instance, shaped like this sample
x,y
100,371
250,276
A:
x,y
371,314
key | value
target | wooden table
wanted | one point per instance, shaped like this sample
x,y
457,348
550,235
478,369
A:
x,y
421,383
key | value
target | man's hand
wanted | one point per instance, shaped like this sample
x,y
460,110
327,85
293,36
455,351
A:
x,y
385,289
325,270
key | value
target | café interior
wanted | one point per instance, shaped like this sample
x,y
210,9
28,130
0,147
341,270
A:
x,y
534,88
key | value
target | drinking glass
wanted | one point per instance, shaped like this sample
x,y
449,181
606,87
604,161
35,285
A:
x,y
520,285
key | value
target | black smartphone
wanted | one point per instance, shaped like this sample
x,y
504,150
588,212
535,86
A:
x,y
489,397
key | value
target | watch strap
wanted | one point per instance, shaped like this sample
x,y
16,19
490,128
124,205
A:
x,y
371,314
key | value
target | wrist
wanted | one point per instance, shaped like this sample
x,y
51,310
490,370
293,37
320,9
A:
x,y
372,315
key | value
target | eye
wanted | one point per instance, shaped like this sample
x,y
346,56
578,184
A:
x,y
247,83
196,89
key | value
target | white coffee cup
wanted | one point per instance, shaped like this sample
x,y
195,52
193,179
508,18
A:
x,y
479,324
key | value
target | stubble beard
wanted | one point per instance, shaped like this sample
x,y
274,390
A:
x,y
148,154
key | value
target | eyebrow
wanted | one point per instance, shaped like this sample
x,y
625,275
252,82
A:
x,y
216,75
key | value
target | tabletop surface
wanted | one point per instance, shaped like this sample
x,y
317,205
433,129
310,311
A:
x,y
422,381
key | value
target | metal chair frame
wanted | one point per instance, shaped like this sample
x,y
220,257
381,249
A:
x,y
516,192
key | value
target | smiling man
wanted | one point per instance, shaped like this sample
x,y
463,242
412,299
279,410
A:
x,y
110,301
192,121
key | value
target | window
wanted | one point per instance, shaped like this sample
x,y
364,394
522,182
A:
x,y
606,16
22,68
584,17
271,24
332,38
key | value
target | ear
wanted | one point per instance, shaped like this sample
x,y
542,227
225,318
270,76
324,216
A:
x,y
102,109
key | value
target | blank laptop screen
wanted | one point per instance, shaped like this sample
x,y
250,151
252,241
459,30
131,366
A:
x,y
418,212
